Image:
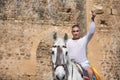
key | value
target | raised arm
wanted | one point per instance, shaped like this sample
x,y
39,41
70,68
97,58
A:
x,y
92,28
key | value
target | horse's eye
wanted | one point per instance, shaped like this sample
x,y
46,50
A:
x,y
66,53
54,46
52,52
64,46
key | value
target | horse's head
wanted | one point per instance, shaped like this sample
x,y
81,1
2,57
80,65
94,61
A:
x,y
59,57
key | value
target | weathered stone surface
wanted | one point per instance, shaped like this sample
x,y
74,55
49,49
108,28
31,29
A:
x,y
107,37
98,9
26,28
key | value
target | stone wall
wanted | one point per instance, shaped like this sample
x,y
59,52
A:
x,y
56,10
26,29
104,47
27,26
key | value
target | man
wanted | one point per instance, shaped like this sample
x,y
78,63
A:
x,y
77,47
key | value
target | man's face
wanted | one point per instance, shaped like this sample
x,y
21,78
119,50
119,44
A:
x,y
76,33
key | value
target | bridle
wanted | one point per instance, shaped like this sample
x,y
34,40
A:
x,y
60,61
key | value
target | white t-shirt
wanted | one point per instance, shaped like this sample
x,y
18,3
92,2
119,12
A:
x,y
77,49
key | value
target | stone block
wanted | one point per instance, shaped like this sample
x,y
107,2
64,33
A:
x,y
115,12
98,9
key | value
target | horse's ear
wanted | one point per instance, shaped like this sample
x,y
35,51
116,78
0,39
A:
x,y
55,36
65,37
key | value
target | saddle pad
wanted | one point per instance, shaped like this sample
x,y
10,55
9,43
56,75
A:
x,y
96,73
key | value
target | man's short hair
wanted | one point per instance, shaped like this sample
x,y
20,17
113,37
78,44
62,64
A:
x,y
76,25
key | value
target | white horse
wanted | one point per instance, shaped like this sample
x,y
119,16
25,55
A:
x,y
63,67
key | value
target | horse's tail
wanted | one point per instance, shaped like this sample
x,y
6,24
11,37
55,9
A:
x,y
96,73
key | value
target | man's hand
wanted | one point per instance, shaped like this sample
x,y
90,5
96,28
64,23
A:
x,y
93,15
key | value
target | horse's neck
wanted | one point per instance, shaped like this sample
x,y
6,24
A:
x,y
73,72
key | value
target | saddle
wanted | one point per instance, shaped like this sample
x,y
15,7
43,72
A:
x,y
84,73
